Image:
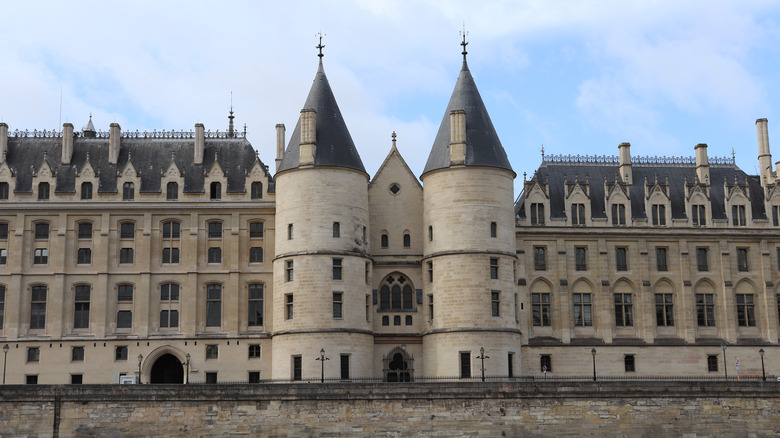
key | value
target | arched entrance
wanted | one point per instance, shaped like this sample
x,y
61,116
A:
x,y
167,369
399,366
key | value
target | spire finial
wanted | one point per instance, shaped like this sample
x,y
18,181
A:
x,y
393,138
320,46
231,117
542,152
733,156
464,43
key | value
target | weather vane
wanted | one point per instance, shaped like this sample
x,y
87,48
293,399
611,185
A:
x,y
320,46
463,33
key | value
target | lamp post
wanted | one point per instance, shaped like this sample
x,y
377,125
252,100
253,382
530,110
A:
x,y
140,358
763,370
322,360
593,353
187,368
5,358
725,367
482,357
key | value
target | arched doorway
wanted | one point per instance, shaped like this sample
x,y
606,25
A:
x,y
167,369
399,366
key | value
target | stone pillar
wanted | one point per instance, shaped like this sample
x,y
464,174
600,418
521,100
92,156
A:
x,y
626,174
280,132
67,143
702,163
308,137
113,143
200,142
764,156
457,137
3,141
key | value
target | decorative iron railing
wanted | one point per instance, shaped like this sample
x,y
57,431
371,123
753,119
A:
x,y
614,159
155,134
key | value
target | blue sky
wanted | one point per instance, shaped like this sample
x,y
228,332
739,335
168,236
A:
x,y
578,77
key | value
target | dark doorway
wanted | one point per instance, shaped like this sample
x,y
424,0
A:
x,y
167,369
398,369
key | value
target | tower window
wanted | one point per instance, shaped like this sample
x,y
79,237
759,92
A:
x,y
407,240
493,229
383,240
336,229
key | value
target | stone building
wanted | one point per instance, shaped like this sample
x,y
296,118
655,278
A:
x,y
177,256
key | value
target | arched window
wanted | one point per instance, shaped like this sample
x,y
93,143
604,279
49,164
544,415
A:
x,y
384,240
396,293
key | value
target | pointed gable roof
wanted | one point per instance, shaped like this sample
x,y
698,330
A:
x,y
483,148
334,144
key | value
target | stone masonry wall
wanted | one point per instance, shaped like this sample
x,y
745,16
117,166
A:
x,y
645,409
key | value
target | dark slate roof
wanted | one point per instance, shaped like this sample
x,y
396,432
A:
x,y
556,173
483,148
335,147
150,158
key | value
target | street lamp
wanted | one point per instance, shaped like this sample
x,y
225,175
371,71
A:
x,y
322,360
763,370
140,358
725,367
5,357
482,357
187,368
593,353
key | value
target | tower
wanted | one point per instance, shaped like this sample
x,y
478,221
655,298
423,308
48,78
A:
x,y
321,267
469,250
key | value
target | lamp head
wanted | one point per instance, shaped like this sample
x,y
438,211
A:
x,y
593,352
6,348
761,352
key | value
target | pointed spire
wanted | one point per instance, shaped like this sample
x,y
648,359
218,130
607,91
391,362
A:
x,y
89,129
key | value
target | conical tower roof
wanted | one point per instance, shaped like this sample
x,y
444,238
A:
x,y
483,148
335,147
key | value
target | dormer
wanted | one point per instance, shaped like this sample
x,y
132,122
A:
x,y
215,182
578,208
7,182
87,181
44,181
537,201
658,201
128,181
257,180
617,201
172,180
737,202
697,205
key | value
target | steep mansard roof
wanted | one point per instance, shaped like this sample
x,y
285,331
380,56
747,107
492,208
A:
x,y
483,148
335,147
556,173
149,156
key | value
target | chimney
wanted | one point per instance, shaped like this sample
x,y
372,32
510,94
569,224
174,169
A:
x,y
200,141
67,143
702,163
3,141
308,137
280,132
764,156
113,143
457,137
624,152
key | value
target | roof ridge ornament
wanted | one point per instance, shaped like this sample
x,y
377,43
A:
x,y
320,46
464,43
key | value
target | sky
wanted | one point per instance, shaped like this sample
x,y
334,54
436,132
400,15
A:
x,y
574,77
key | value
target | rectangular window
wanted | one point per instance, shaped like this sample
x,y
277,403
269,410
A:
x,y
664,310
738,215
344,367
338,302
213,305
289,269
255,230
297,371
170,255
545,363
172,191
582,311
254,351
3,256
216,190
255,305
85,230
702,259
495,303
215,230
337,269
430,233
540,309
289,231
86,190
171,230
125,292
624,315
4,190
42,230
128,191
41,256
126,255
698,214
3,230
493,229
742,259
494,268
336,229
659,215
621,258
256,190
43,190
169,318
540,259
578,214
537,214
465,364
31,379
81,311
705,310
256,254
510,367
383,240
38,307
288,304
84,256
746,315
212,351
2,306
33,354
660,259
215,255
124,319
120,353
254,377
76,379
211,378
712,363
629,363
127,230
77,354
776,215
581,258
430,272
430,307
618,214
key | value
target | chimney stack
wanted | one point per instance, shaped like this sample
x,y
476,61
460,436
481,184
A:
x,y
764,156
702,163
280,132
457,137
67,143
308,137
113,143
625,170
200,142
3,141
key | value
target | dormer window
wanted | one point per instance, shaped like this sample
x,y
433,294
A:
x,y
618,214
86,190
578,214
698,215
257,190
216,190
43,191
537,214
128,191
3,190
659,215
172,191
738,215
